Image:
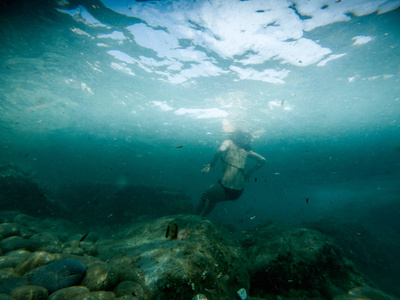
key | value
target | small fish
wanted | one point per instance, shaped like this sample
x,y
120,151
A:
x,y
255,179
26,155
283,102
179,147
307,200
84,236
252,218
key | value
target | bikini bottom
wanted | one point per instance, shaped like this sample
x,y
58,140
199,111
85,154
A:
x,y
231,194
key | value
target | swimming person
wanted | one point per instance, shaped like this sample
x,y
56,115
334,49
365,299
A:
x,y
233,154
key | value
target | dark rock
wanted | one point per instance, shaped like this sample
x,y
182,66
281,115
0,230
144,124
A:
x,y
68,293
9,229
8,285
6,297
100,295
6,274
30,292
14,243
284,258
58,274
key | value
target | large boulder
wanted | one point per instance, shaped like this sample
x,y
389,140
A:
x,y
199,259
296,262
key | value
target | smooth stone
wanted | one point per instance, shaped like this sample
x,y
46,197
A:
x,y
14,243
25,220
9,229
31,292
12,283
100,277
58,274
129,288
25,233
7,273
46,242
68,293
6,297
100,295
74,251
13,258
36,259
89,248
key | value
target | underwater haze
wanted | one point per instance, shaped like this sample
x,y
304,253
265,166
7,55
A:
x,y
144,92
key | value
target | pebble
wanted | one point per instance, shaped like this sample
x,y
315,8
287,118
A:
x,y
14,243
46,242
68,293
12,283
13,258
58,274
31,292
6,297
100,295
6,274
100,277
89,248
9,229
73,251
36,259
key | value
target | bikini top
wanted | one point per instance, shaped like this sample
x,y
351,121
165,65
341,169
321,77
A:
x,y
225,162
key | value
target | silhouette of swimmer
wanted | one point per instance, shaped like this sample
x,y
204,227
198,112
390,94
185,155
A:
x,y
233,154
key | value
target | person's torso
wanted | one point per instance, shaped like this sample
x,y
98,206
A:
x,y
234,161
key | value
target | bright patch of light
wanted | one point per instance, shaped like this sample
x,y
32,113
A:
x,y
361,40
121,56
331,57
202,113
115,35
162,105
270,75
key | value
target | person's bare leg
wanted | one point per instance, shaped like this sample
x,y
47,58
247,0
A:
x,y
209,199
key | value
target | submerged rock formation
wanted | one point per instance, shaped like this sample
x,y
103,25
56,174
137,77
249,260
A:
x,y
204,260
195,259
297,262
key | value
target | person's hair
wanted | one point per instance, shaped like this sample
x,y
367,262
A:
x,y
241,139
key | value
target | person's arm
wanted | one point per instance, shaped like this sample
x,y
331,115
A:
x,y
224,146
260,162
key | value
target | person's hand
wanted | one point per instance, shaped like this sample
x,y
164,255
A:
x,y
206,169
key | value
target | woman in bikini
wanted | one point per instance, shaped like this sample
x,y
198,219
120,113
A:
x,y
233,154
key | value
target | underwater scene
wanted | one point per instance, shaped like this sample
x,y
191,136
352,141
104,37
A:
x,y
200,149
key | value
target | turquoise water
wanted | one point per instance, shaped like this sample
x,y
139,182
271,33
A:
x,y
106,92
